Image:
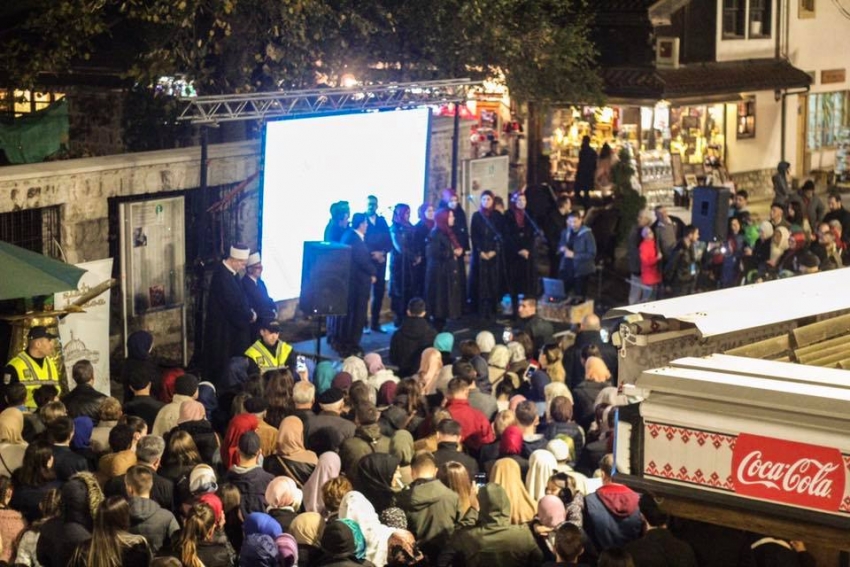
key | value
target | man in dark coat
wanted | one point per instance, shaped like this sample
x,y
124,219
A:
x,y
83,400
588,335
586,173
349,327
839,213
415,335
257,293
379,242
658,547
227,327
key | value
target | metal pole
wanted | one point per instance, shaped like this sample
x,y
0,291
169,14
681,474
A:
x,y
200,224
455,145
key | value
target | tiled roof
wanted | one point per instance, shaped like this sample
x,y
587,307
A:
x,y
727,77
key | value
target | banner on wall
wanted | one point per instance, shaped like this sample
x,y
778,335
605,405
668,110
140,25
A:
x,y
85,336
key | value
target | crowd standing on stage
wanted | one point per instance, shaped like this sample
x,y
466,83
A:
x,y
480,452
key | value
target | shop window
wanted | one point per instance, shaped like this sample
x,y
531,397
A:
x,y
734,12
21,102
747,118
827,117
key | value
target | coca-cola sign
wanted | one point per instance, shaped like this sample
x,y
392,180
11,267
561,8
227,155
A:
x,y
785,471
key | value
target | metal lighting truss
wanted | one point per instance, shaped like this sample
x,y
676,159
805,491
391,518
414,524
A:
x,y
263,106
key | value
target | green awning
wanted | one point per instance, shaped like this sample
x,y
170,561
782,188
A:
x,y
28,274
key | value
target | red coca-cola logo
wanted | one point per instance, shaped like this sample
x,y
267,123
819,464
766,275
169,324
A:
x,y
785,471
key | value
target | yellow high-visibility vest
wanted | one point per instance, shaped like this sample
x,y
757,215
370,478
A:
x,y
260,353
32,375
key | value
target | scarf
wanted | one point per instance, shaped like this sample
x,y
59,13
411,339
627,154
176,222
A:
x,y
282,492
290,441
423,209
307,528
519,215
541,465
325,373
551,511
506,473
239,425
357,508
441,224
359,539
83,427
327,468
139,345
430,365
374,363
375,478
263,524
356,367
11,426
190,410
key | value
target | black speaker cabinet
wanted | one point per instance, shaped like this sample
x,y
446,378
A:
x,y
324,278
710,212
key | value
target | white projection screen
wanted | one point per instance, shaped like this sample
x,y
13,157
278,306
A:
x,y
312,162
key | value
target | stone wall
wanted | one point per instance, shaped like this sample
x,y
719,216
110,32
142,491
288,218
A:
x,y
440,162
94,116
757,183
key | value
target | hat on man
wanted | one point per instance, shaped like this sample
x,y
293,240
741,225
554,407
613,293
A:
x,y
783,165
39,332
256,405
270,325
249,443
331,396
254,259
238,252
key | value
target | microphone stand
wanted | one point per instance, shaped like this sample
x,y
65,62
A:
x,y
537,231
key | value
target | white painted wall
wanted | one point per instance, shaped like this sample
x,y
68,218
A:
x,y
814,45
734,49
762,151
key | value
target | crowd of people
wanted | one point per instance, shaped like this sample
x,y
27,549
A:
x,y
800,236
480,453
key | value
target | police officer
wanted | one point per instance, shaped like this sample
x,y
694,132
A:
x,y
269,352
33,367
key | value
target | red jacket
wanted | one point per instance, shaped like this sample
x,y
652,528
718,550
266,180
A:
x,y
475,429
649,272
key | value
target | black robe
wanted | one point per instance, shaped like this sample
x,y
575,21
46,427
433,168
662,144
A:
x,y
259,301
348,329
443,290
485,275
522,272
227,328
420,239
461,231
402,267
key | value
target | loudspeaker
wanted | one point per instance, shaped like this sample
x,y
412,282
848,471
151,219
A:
x,y
710,212
324,278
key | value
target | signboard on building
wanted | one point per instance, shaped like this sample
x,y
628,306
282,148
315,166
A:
x,y
830,76
491,173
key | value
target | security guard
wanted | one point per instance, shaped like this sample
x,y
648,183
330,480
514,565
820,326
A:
x,y
33,367
268,351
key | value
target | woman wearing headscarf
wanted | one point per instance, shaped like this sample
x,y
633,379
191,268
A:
x,y
597,377
403,551
541,465
291,458
506,473
378,373
343,545
307,529
12,444
510,447
551,513
430,366
493,540
240,424
81,440
486,266
497,364
259,548
284,500
287,550
444,293
375,478
520,255
193,420
323,377
445,343
403,261
208,398
518,363
357,508
328,467
139,362
420,237
355,366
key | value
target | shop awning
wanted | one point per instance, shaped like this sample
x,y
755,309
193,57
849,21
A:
x,y
662,10
705,82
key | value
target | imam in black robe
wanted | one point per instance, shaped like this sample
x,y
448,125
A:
x,y
227,327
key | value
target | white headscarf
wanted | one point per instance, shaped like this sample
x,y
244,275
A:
x,y
356,507
356,367
541,466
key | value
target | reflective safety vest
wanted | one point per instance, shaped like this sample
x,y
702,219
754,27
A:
x,y
32,375
260,353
